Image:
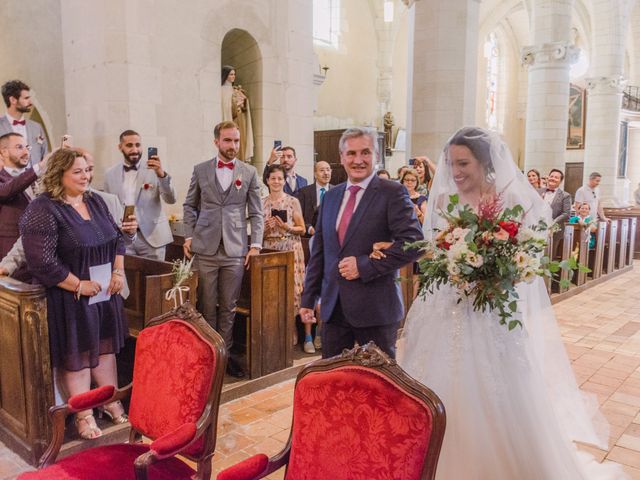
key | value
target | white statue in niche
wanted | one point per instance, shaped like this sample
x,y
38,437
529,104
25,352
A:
x,y
235,107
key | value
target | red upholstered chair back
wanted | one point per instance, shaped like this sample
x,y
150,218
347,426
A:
x,y
353,421
174,379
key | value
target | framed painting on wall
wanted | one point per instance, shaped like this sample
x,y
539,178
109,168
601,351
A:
x,y
577,116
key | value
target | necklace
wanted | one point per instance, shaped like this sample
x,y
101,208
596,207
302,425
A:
x,y
75,204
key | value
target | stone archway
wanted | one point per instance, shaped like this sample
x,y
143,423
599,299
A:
x,y
240,49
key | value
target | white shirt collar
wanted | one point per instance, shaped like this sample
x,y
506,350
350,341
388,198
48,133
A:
x,y
363,184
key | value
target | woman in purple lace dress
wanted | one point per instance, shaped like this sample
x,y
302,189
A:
x,y
65,231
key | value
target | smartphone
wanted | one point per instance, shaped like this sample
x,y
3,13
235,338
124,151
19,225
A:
x,y
128,210
66,141
277,144
279,213
152,152
412,162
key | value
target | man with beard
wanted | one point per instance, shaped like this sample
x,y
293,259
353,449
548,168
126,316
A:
x,y
287,156
17,98
223,191
144,186
16,182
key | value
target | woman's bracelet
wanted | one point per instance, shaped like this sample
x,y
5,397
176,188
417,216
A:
x,y
117,271
77,293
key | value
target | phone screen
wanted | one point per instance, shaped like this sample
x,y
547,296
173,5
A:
x,y
277,144
152,152
412,161
128,210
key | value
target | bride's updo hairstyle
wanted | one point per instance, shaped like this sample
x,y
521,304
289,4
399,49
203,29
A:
x,y
479,142
501,172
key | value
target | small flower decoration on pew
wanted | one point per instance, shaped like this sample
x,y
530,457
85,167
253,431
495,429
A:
x,y
181,271
485,254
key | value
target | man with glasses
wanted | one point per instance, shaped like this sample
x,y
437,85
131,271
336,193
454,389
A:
x,y
16,187
17,98
590,193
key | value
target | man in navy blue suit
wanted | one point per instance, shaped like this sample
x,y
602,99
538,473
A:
x,y
361,298
287,156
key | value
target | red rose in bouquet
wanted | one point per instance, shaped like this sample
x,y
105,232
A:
x,y
510,227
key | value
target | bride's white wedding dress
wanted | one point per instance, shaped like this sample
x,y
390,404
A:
x,y
513,406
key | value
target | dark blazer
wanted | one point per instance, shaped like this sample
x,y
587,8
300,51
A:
x,y
300,182
385,213
13,202
308,198
560,205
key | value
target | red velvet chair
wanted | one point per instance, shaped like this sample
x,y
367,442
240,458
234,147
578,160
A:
x,y
177,378
356,416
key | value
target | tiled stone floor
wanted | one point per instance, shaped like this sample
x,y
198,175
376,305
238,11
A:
x,y
601,328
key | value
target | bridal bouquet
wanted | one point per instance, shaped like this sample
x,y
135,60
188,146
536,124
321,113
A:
x,y
485,254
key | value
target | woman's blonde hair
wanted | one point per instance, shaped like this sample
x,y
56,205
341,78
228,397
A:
x,y
59,162
412,172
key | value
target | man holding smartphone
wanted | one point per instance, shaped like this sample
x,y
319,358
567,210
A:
x,y
144,186
287,158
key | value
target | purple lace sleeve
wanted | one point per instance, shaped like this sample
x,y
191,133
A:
x,y
39,230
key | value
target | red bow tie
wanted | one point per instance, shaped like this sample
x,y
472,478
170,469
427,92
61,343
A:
x,y
19,122
222,164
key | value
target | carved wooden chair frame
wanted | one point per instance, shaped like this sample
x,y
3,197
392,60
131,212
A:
x,y
205,425
372,356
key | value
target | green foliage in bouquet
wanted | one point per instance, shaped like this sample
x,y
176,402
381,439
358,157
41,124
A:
x,y
485,254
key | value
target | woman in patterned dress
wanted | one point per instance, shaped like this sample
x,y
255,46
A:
x,y
285,235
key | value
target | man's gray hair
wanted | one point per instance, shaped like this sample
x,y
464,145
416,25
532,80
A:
x,y
356,132
594,175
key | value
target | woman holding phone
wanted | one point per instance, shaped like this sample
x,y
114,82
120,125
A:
x,y
283,226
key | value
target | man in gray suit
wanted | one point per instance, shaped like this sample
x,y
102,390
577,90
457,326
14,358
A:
x,y
559,201
144,186
17,98
222,193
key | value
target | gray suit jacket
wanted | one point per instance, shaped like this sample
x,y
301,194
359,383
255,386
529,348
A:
x,y
35,138
152,221
560,205
211,215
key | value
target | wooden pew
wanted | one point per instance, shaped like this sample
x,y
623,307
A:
x,y
26,386
598,258
622,241
632,213
148,282
266,307
611,247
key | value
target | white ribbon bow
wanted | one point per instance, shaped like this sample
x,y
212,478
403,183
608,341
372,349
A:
x,y
175,292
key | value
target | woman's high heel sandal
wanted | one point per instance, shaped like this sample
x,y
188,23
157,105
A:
x,y
87,427
115,411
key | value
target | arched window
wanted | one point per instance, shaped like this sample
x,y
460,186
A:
x,y
492,56
326,22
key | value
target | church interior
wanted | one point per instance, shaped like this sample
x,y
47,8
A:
x,y
557,80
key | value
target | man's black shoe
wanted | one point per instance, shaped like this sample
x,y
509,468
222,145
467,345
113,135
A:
x,y
234,369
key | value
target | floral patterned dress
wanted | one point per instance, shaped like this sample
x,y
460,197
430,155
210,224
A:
x,y
280,240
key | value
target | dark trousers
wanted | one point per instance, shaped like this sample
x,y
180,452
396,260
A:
x,y
338,334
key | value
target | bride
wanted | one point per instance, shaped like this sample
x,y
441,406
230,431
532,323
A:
x,y
513,405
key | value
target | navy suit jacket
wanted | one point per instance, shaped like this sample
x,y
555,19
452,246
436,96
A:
x,y
385,213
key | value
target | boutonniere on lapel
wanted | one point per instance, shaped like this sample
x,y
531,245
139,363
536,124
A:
x,y
238,184
40,139
147,186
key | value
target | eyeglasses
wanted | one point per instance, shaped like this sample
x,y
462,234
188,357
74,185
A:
x,y
22,147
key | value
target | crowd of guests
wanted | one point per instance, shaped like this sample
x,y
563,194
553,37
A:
x,y
60,232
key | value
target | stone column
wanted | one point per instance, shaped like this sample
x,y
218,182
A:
x,y
604,98
548,62
441,94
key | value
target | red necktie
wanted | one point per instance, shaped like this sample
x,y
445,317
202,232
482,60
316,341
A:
x,y
19,122
222,164
348,212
